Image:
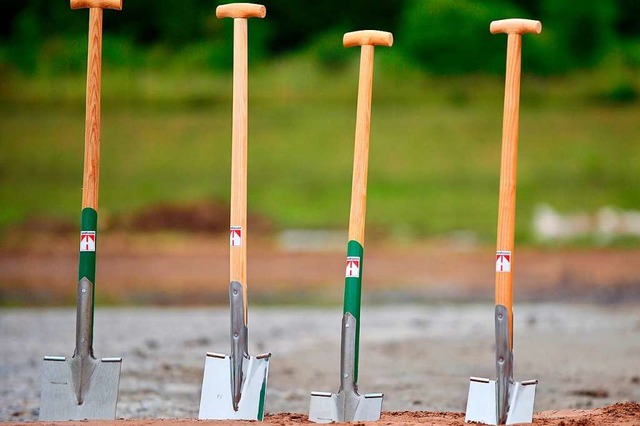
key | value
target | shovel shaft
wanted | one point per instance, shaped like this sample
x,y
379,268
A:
x,y
358,211
90,181
86,280
357,215
352,299
508,171
238,268
509,161
240,12
367,40
91,173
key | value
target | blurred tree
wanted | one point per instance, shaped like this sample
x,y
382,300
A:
x,y
452,36
628,18
443,36
581,33
299,22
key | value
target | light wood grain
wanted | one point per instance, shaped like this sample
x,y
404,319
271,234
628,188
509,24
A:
x,y
358,211
239,140
508,168
241,10
238,268
367,37
516,26
99,4
91,175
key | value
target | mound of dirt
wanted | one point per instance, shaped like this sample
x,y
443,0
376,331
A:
x,y
620,414
205,216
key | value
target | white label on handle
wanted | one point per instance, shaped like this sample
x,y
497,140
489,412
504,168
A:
x,y
87,240
503,261
353,267
235,236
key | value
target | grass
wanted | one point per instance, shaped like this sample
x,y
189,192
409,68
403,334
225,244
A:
x,y
434,159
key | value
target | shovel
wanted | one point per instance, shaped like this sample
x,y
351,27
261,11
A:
x,y
84,387
348,405
234,386
505,401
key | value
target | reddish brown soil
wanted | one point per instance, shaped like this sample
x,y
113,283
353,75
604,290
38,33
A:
x,y
620,414
186,268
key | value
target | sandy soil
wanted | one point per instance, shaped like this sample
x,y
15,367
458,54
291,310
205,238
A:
x,y
620,414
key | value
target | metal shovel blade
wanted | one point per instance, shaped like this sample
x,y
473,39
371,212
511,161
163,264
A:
x,y
59,400
216,401
345,406
482,403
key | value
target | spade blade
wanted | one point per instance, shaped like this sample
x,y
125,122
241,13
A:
x,y
59,400
345,406
216,401
482,403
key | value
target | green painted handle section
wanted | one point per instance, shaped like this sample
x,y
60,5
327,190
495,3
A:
x,y
352,295
353,285
87,264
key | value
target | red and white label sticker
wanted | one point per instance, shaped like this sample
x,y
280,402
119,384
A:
x,y
87,240
353,267
235,236
503,261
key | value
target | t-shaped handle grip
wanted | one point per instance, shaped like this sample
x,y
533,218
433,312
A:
x,y
367,38
515,26
100,4
241,10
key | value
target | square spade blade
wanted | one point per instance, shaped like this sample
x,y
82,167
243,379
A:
x,y
216,402
59,400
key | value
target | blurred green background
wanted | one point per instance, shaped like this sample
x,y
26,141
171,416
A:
x,y
436,123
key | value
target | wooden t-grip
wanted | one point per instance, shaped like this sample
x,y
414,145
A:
x,y
101,4
516,26
241,10
367,37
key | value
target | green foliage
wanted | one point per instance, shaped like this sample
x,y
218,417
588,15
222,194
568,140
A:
x,y
298,22
575,36
434,160
452,36
441,36
627,26
328,52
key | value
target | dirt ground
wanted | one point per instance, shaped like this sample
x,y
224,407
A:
x,y
427,325
620,414
420,356
175,269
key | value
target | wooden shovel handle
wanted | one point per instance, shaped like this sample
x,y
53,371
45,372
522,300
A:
x,y
241,10
509,160
367,39
239,140
239,148
91,174
98,4
515,26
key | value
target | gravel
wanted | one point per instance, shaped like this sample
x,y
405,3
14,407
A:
x,y
420,356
